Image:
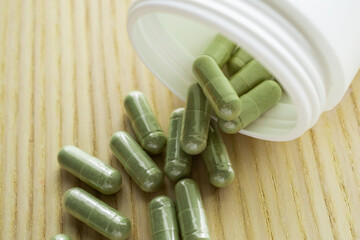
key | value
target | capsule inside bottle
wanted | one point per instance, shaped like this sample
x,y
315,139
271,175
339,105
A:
x,y
249,77
220,49
257,101
217,88
238,60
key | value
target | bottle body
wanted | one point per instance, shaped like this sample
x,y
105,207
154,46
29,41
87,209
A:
x,y
310,59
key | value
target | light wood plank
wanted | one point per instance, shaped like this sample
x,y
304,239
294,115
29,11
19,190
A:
x,y
10,149
53,119
3,25
39,164
25,123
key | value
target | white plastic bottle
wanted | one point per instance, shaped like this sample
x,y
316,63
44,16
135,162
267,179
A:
x,y
311,46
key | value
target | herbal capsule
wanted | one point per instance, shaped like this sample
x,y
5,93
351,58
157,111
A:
x,y
257,101
220,49
90,170
248,77
146,127
163,220
238,60
96,214
191,213
216,159
136,162
61,237
196,120
217,88
177,162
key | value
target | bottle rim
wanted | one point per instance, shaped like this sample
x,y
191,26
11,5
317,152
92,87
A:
x,y
253,25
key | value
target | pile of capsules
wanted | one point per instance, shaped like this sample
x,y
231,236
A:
x,y
237,101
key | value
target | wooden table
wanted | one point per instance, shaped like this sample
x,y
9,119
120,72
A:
x,y
65,67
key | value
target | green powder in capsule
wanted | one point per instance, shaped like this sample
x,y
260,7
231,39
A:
x,y
90,170
217,88
177,161
191,212
248,77
238,60
136,162
257,101
220,49
163,219
61,237
196,120
96,214
216,159
146,126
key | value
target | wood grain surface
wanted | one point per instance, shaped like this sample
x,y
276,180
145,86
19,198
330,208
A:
x,y
65,67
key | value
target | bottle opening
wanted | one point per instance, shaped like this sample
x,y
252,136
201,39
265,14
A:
x,y
169,42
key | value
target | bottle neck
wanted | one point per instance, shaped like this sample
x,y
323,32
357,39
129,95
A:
x,y
257,28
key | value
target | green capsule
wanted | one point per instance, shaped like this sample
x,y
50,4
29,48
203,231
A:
x,y
238,60
216,159
163,220
230,127
136,162
90,170
146,127
96,214
255,102
248,77
177,162
61,237
196,120
191,213
217,88
220,49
